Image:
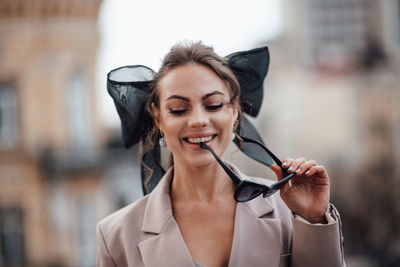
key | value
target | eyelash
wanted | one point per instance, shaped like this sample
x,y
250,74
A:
x,y
215,107
177,112
209,108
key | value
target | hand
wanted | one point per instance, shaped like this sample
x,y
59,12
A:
x,y
307,193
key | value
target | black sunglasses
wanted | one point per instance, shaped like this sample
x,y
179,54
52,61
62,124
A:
x,y
248,190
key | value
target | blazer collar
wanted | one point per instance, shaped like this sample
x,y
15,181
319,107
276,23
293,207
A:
x,y
257,238
260,206
165,245
254,230
159,208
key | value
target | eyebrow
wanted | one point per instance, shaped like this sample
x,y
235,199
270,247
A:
x,y
178,97
188,100
211,94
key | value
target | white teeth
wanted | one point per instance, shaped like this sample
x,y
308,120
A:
x,y
199,139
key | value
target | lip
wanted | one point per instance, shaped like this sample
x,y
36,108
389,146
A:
x,y
199,135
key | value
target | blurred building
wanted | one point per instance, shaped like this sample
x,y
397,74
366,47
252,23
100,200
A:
x,y
335,61
333,94
58,173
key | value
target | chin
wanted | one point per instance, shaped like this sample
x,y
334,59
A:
x,y
200,161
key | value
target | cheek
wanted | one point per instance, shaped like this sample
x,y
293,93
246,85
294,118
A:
x,y
226,122
170,126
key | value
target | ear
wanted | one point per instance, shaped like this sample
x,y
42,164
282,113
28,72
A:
x,y
156,113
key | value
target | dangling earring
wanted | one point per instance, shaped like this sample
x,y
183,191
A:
x,y
162,142
235,125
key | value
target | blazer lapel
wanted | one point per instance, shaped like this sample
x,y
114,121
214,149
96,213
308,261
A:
x,y
165,245
256,240
257,236
166,249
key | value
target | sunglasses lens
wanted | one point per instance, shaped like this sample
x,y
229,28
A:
x,y
256,152
247,192
269,192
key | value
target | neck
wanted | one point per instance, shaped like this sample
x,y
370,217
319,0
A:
x,y
204,184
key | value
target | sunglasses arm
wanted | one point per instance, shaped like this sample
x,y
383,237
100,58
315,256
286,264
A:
x,y
272,155
228,171
281,183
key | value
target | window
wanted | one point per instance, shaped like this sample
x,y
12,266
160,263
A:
x,y
8,116
391,26
11,237
78,106
86,246
338,28
398,22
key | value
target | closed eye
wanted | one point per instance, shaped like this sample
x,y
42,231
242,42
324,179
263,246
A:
x,y
214,107
177,111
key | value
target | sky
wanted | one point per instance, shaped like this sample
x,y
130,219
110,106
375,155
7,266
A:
x,y
141,32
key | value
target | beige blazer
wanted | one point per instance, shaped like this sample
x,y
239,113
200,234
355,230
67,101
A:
x,y
265,234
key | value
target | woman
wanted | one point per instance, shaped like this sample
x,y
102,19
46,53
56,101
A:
x,y
191,218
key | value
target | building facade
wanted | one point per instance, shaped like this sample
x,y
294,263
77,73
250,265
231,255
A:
x,y
333,94
58,175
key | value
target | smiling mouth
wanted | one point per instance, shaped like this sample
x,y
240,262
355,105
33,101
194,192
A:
x,y
199,140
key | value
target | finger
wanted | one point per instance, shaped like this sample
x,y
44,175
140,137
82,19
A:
x,y
317,170
280,175
278,171
305,167
286,163
295,164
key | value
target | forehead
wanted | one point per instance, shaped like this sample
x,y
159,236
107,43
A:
x,y
192,81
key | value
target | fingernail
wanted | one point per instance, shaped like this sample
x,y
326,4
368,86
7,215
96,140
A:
x,y
284,164
298,170
290,169
308,172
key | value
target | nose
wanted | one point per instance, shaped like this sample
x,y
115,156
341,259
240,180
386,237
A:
x,y
198,118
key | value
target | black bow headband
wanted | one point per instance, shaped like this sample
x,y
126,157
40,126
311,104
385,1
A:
x,y
129,87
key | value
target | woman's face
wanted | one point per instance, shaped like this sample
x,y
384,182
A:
x,y
194,107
